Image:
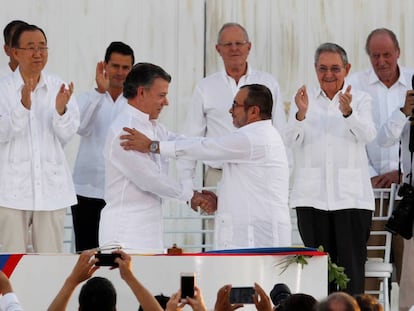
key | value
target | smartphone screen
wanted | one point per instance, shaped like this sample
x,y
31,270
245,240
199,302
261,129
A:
x,y
187,285
242,295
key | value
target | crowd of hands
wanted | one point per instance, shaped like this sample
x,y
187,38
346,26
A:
x,y
86,267
87,264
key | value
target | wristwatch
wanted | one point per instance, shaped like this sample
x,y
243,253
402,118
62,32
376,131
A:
x,y
154,146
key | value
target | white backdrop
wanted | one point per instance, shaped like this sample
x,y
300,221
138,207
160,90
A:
x,y
180,35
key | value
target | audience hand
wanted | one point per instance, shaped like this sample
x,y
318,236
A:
x,y
197,302
84,268
124,264
174,303
223,300
261,299
5,285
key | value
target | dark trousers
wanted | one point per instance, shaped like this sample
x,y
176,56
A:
x,y
344,235
86,215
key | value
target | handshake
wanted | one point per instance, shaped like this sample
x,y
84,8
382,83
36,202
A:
x,y
206,200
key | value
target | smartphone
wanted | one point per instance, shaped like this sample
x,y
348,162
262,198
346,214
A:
x,y
242,295
187,284
106,259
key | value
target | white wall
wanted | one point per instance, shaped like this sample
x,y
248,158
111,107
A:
x,y
180,35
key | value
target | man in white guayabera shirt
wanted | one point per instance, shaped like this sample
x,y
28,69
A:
x,y
252,206
136,183
37,117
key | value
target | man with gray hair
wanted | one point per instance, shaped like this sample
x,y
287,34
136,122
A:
x,y
207,113
400,128
387,82
327,131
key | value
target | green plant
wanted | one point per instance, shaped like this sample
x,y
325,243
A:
x,y
336,273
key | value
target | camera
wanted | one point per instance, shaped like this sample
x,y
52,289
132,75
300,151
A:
x,y
401,220
107,259
279,294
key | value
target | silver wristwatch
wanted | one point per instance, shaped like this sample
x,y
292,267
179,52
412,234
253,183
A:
x,y
154,146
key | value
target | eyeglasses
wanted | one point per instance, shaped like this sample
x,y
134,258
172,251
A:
x,y
333,69
237,44
34,49
234,105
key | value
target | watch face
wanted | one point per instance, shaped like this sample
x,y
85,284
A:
x,y
154,146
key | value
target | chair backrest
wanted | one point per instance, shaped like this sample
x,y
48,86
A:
x,y
379,242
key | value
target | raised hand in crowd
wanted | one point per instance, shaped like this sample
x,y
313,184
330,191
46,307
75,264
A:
x,y
5,285
197,302
174,303
261,299
223,300
9,300
83,270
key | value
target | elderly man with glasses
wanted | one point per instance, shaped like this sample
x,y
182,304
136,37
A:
x,y
207,111
37,117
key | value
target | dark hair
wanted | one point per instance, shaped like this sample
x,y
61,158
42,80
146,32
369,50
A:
x,y
22,28
162,300
121,48
301,302
10,29
143,74
385,31
260,96
333,48
97,293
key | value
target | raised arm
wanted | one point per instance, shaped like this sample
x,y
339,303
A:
x,y
83,270
144,297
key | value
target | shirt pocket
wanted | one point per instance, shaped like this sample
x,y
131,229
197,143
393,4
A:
x,y
19,185
350,183
307,183
224,231
54,178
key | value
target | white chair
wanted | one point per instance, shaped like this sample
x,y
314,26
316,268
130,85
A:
x,y
379,246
